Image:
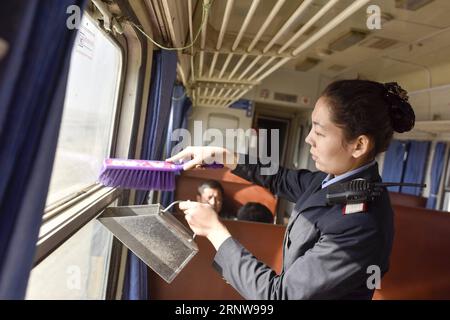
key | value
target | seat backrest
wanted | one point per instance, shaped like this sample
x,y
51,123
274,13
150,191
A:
x,y
420,260
200,281
403,199
419,266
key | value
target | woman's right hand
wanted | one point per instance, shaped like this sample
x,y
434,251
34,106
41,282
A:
x,y
196,156
204,221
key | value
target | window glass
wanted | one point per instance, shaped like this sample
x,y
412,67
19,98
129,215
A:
x,y
89,108
78,269
446,203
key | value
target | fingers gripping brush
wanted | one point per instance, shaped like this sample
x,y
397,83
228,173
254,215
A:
x,y
142,174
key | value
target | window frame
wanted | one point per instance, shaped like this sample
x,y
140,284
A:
x,y
444,187
75,211
74,197
136,92
446,173
63,218
60,228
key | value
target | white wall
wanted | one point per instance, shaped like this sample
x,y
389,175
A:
x,y
302,84
209,118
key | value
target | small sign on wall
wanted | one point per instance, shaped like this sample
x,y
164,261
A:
x,y
85,43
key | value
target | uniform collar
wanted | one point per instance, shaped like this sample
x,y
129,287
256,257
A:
x,y
318,197
330,179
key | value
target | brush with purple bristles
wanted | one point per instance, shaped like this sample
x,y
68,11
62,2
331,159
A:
x,y
142,174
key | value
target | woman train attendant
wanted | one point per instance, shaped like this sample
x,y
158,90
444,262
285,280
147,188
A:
x,y
328,251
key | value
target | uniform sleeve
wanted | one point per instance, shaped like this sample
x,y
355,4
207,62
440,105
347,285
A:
x,y
333,268
285,183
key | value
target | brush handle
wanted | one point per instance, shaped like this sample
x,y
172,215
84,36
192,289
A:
x,y
150,165
213,165
138,164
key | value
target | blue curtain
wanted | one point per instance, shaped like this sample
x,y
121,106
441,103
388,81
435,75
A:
x,y
394,163
181,106
416,165
437,169
33,77
158,112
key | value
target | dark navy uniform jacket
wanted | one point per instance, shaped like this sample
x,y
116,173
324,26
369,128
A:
x,y
326,253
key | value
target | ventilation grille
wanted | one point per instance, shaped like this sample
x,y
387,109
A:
x,y
411,4
347,40
285,97
379,43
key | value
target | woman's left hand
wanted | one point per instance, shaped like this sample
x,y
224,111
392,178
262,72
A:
x,y
204,221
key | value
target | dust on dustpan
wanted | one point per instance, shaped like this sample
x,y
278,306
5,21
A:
x,y
156,237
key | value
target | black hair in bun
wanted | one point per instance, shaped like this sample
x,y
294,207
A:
x,y
363,107
402,114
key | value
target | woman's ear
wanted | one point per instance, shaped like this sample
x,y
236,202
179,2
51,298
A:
x,y
361,146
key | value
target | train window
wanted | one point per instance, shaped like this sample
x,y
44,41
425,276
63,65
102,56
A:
x,y
78,269
446,203
87,125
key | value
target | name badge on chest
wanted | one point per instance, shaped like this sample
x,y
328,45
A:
x,y
354,208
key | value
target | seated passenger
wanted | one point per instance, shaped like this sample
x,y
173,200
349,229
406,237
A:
x,y
253,211
211,192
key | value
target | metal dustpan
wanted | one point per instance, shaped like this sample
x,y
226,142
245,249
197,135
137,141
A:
x,y
156,237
